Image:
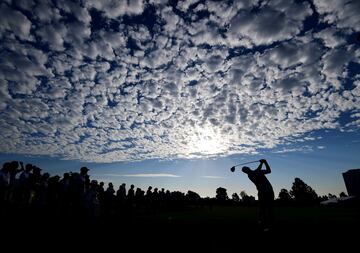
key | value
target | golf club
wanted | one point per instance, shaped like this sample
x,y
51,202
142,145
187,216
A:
x,y
232,169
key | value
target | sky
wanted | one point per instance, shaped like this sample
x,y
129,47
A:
x,y
173,93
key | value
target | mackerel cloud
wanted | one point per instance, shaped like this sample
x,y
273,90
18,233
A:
x,y
107,81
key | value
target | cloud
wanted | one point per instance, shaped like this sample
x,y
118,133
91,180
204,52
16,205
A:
x,y
303,149
214,177
331,37
340,14
273,22
13,21
53,36
107,81
114,8
335,62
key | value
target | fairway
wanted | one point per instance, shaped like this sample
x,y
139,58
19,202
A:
x,y
217,227
222,227
231,214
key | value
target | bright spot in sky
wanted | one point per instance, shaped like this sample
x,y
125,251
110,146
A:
x,y
206,141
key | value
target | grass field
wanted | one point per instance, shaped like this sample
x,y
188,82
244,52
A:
x,y
217,228
222,227
283,215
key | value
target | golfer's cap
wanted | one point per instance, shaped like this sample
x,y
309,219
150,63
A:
x,y
84,169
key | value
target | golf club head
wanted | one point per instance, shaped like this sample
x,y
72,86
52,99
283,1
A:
x,y
232,169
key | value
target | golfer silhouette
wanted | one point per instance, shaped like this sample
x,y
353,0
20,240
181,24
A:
x,y
265,193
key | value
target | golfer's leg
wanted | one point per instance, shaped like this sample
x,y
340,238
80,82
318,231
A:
x,y
271,213
261,215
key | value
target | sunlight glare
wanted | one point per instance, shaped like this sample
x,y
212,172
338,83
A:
x,y
206,141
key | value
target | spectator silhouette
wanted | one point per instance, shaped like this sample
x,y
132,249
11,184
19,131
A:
x,y
265,193
109,199
121,198
13,170
36,182
139,195
121,194
101,191
131,196
110,190
24,184
24,176
4,183
64,194
92,204
148,192
84,178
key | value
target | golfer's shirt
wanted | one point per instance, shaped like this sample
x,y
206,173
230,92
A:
x,y
261,182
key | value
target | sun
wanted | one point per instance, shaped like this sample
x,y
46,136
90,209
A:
x,y
205,141
207,144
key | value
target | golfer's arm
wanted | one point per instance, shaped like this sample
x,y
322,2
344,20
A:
x,y
259,167
268,169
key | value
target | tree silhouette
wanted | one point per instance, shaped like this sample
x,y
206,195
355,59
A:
x,y
235,197
331,196
221,194
303,193
246,199
284,196
243,194
323,198
342,194
193,197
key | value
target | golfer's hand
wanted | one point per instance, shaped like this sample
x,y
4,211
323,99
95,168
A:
x,y
262,160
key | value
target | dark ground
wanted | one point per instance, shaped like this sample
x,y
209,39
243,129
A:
x,y
223,227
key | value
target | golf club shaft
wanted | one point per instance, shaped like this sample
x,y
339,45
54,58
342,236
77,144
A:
x,y
246,163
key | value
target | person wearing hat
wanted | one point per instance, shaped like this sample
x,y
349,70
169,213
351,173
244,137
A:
x,y
24,183
84,177
25,174
4,182
84,170
84,174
